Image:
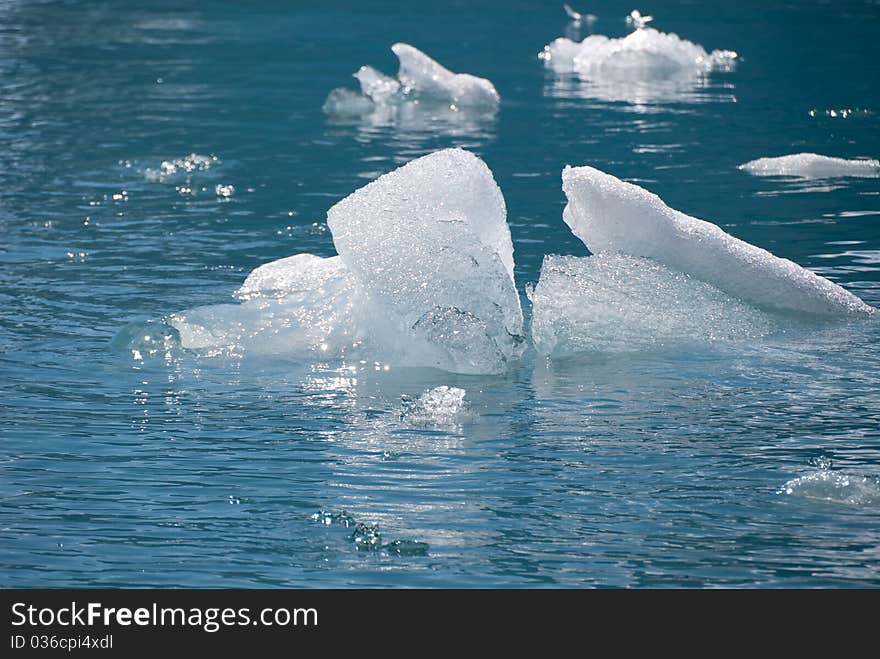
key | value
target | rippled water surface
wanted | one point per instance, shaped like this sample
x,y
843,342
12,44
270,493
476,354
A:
x,y
141,464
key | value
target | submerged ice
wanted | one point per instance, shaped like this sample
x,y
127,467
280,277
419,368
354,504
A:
x,y
424,277
659,276
812,166
440,407
419,78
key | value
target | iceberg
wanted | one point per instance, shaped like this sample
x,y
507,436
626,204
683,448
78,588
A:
x,y
812,166
610,215
646,66
423,277
419,78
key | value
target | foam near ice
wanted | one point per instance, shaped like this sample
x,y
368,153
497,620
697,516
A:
x,y
811,166
424,277
430,246
419,78
610,215
440,407
643,53
619,303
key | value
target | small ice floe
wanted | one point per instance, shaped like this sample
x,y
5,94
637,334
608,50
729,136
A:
x,y
636,21
812,166
440,407
834,486
419,78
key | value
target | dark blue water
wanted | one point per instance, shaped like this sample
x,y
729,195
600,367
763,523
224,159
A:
x,y
649,469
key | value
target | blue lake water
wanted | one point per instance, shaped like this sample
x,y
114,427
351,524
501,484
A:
x,y
743,465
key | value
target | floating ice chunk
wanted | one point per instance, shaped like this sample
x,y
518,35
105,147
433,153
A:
x,y
376,85
424,278
421,75
645,53
835,487
620,303
430,246
610,215
441,407
812,165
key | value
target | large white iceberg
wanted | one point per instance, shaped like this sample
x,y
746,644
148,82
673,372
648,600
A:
x,y
424,277
419,78
812,166
643,67
659,276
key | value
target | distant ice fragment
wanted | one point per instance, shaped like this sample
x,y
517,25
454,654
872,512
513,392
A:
x,y
645,67
645,53
812,166
419,78
610,215
422,75
440,407
430,246
619,303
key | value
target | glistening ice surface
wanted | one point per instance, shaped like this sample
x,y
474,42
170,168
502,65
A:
x,y
658,468
424,277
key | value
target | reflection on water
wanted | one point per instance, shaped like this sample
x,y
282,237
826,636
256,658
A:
x,y
685,86
412,124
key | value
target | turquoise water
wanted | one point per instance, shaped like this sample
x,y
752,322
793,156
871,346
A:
x,y
722,465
